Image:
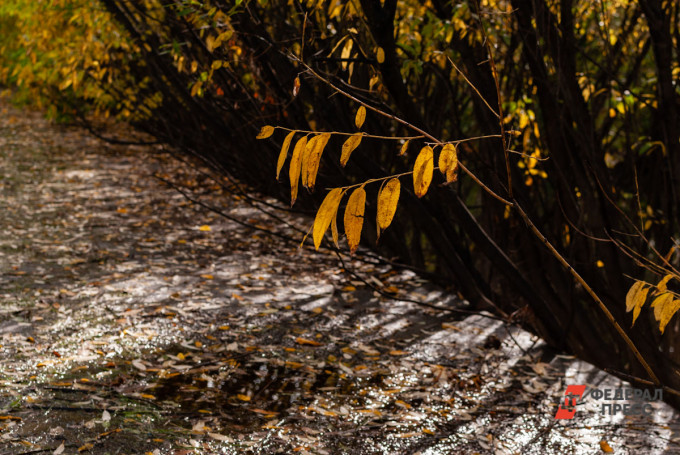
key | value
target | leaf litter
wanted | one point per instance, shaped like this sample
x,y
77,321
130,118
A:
x,y
133,322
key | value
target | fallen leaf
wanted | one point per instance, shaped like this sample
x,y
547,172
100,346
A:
x,y
304,341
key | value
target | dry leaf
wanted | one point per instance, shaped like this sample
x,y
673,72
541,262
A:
x,y
404,148
380,55
307,342
422,171
388,199
295,165
265,132
360,117
283,154
348,147
326,213
354,217
314,159
606,448
448,162
635,299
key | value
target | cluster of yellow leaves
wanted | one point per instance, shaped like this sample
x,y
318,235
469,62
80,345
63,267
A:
x,y
304,166
666,303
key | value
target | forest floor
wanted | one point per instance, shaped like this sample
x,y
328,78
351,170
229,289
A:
x,y
134,321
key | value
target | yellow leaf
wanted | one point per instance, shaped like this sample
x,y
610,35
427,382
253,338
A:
x,y
635,299
307,342
660,303
242,397
326,213
207,276
404,147
661,287
204,228
348,147
345,54
448,161
387,203
314,159
334,230
85,447
295,164
354,217
361,116
265,132
284,153
667,312
380,55
606,448
307,152
422,171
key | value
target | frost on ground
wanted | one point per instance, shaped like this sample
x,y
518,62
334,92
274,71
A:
x,y
132,321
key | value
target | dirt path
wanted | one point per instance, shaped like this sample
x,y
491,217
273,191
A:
x,y
131,322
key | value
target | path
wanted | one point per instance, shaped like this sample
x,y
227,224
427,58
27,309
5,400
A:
x,y
131,322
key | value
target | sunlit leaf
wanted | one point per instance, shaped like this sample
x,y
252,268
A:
x,y
265,132
404,148
294,170
448,162
307,342
306,153
284,153
314,159
669,308
354,217
326,213
360,117
348,147
635,299
388,199
380,55
661,287
422,171
605,447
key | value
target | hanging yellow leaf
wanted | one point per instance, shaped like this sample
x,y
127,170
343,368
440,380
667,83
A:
x,y
404,148
334,230
661,287
345,54
387,203
294,171
265,132
284,153
669,309
361,116
326,213
354,217
422,171
635,299
306,153
660,303
380,55
448,162
348,147
314,159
